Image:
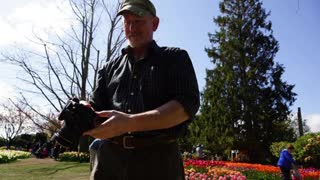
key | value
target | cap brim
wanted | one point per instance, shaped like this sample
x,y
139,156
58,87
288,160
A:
x,y
133,9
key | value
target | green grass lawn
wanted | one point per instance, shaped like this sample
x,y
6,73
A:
x,y
35,169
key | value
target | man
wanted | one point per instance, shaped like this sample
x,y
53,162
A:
x,y
149,94
286,161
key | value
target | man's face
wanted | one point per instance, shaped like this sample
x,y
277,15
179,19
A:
x,y
139,29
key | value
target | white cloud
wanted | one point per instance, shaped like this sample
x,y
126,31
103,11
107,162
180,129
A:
x,y
7,33
313,121
40,17
5,91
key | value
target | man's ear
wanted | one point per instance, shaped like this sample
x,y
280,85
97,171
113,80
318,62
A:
x,y
155,23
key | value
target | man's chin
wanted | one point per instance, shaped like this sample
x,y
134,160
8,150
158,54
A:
x,y
135,44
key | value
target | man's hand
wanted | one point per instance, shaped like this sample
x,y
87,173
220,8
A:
x,y
117,124
166,116
85,103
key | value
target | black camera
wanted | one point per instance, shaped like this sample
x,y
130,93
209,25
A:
x,y
77,118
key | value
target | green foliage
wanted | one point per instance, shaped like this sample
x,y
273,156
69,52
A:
x,y
41,137
277,147
24,141
185,143
2,142
245,103
74,157
300,144
312,152
261,175
307,150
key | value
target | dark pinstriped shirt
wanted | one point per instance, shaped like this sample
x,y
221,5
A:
x,y
133,86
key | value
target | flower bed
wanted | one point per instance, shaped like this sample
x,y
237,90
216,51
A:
x,y
223,170
12,155
74,157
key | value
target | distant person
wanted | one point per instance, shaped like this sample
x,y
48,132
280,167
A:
x,y
56,151
44,152
49,148
286,162
199,151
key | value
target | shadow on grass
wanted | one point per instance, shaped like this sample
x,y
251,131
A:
x,y
52,169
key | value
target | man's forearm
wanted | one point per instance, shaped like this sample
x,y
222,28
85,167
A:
x,y
168,115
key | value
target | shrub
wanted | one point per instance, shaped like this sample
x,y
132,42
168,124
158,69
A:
x,y
74,157
277,147
2,141
7,156
312,152
300,144
5,147
306,149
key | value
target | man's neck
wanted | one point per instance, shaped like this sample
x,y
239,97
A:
x,y
140,52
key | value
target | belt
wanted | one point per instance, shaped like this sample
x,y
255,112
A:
x,y
132,142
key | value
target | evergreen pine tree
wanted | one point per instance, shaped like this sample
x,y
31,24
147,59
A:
x,y
245,103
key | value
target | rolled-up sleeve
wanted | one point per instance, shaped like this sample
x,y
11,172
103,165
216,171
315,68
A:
x,y
183,85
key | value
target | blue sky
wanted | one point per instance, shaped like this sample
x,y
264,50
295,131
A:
x,y
296,26
186,24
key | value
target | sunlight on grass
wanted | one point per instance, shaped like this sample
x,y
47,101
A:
x,y
34,169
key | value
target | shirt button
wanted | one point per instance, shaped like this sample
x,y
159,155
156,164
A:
x,y
132,93
129,110
135,77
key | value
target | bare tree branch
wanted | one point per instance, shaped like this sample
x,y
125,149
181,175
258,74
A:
x,y
69,63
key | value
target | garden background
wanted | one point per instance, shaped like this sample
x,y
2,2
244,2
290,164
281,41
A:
x,y
246,61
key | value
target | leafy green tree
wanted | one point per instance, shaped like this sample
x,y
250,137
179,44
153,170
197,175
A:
x,y
277,147
41,138
2,141
245,103
24,141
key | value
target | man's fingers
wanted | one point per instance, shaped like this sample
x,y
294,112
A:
x,y
85,103
88,133
93,132
105,114
99,131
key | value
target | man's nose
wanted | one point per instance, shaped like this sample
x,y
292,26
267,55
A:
x,y
130,26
